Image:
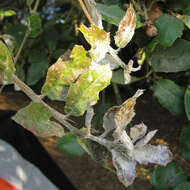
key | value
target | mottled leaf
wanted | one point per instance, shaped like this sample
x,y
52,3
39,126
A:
x,y
138,131
7,68
126,28
183,186
64,73
164,178
170,96
98,39
38,66
125,168
126,112
185,142
36,118
169,29
35,24
142,142
93,11
187,102
69,145
173,59
86,89
152,154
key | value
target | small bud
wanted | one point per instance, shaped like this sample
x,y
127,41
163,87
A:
x,y
126,28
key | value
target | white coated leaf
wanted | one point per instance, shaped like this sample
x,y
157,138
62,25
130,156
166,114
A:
x,y
122,137
146,139
138,131
152,154
125,168
108,59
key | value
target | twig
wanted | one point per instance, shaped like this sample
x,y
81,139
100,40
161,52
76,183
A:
x,y
36,98
36,6
86,12
22,45
137,6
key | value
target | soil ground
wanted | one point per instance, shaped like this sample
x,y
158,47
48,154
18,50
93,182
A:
x,y
86,174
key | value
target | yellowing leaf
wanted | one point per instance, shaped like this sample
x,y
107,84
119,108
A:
x,y
126,28
98,39
86,89
7,68
36,118
64,73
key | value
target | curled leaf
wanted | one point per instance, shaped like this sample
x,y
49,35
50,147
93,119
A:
x,y
98,39
138,131
126,28
152,154
64,73
125,168
36,118
126,112
146,139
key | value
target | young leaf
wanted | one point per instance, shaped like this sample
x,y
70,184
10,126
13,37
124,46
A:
x,y
138,131
126,28
38,66
69,145
35,24
187,102
173,59
169,29
164,178
98,39
7,13
125,168
7,68
170,96
64,73
87,88
185,142
36,118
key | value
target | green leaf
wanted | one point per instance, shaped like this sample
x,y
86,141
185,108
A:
x,y
36,118
185,142
87,88
187,102
173,59
69,145
170,96
118,77
35,24
186,20
64,73
38,67
164,178
7,13
183,186
169,29
7,68
111,14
